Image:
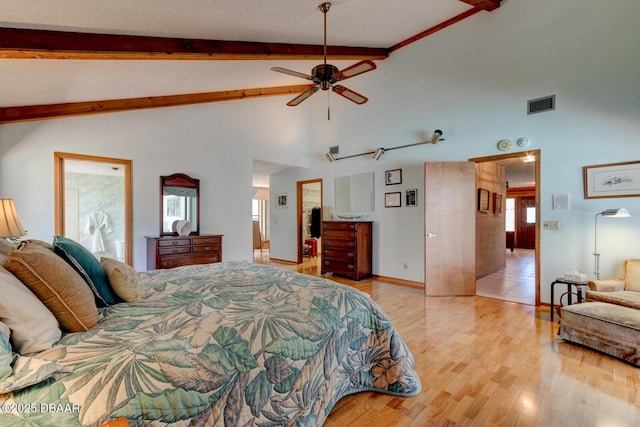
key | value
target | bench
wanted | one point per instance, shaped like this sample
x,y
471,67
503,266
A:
x,y
609,328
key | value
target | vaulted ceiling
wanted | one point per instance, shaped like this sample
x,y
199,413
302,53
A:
x,y
75,57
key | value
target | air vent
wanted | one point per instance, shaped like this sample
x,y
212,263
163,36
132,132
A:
x,y
540,105
335,149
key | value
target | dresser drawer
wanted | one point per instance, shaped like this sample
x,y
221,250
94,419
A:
x,y
174,242
339,225
206,248
339,253
338,244
206,240
174,250
339,234
338,266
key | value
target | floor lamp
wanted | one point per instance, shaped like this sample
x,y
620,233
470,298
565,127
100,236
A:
x,y
615,213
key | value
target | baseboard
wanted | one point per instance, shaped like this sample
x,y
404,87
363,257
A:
x,y
401,282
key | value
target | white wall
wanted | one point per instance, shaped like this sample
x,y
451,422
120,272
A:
x,y
472,80
215,143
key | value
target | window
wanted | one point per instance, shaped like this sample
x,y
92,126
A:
x,y
531,215
510,215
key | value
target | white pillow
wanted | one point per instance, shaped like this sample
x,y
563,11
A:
x,y
124,280
33,327
3,260
6,246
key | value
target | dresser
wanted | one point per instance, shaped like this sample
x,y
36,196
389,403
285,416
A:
x,y
175,251
346,248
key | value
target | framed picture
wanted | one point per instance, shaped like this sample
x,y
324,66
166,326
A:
x,y
282,200
411,197
392,200
483,200
612,180
497,204
393,176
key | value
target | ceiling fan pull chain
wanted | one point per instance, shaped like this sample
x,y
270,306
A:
x,y
328,105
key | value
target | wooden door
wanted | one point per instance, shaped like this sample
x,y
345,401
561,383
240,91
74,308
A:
x,y
450,228
526,222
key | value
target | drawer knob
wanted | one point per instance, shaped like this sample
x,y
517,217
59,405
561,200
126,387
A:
x,y
174,250
351,266
207,248
350,253
175,242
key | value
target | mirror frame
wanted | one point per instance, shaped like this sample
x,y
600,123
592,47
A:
x,y
184,181
59,194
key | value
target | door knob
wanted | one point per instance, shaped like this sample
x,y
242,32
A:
x,y
430,235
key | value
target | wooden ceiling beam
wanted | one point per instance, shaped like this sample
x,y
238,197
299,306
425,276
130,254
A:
x,y
44,44
50,111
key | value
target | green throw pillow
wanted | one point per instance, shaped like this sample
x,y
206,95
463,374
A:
x,y
88,267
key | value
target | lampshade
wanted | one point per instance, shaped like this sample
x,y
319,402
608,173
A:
x,y
617,213
10,225
261,193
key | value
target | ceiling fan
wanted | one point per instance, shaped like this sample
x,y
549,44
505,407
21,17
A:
x,y
326,76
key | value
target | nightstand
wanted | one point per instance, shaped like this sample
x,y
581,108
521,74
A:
x,y
569,284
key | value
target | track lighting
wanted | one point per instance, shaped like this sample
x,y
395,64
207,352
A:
x,y
378,153
435,138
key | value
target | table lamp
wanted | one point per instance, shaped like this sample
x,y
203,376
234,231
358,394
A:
x,y
10,225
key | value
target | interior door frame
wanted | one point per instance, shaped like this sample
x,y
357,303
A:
x,y
59,194
537,155
300,196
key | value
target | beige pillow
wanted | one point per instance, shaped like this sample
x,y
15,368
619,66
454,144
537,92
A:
x,y
124,280
632,279
33,327
56,284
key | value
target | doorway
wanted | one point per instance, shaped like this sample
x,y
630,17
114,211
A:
x,y
309,219
518,279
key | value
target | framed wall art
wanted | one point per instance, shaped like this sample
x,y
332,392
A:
x,y
612,180
282,200
393,176
497,204
483,200
392,200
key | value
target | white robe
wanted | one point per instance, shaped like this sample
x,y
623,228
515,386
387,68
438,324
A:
x,y
96,222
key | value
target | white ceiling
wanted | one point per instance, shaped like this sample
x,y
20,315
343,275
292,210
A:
x,y
361,23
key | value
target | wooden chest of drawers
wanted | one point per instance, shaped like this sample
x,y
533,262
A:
x,y
346,248
175,251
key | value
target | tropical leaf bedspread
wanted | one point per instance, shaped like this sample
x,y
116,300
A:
x,y
234,343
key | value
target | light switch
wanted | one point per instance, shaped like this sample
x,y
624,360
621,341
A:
x,y
551,225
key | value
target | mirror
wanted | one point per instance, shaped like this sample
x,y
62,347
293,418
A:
x,y
179,200
354,193
92,203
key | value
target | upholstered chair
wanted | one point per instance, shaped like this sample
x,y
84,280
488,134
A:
x,y
625,290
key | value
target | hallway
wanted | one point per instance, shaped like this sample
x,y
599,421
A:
x,y
517,282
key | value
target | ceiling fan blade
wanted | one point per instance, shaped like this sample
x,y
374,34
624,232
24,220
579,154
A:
x,y
349,94
354,70
304,95
292,73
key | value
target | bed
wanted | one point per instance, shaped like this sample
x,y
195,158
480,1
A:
x,y
232,343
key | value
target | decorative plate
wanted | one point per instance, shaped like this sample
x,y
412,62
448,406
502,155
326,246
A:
x,y
504,145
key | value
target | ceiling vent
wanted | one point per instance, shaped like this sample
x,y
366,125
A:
x,y
335,149
540,105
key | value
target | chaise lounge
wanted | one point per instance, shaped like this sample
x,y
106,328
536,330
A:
x,y
609,320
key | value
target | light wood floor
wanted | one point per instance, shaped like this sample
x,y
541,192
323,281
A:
x,y
487,362
516,282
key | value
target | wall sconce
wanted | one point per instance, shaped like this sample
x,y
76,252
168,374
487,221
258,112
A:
x,y
378,153
613,213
